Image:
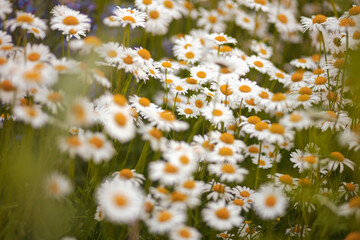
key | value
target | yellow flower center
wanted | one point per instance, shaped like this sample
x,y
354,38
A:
x,y
96,142
228,168
120,119
319,19
286,179
223,213
282,18
71,21
270,200
126,173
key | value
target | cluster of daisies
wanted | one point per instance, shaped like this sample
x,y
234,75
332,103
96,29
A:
x,y
241,166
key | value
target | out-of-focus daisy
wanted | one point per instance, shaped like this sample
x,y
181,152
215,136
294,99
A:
x,y
269,202
211,21
220,216
228,172
352,207
264,162
217,113
58,186
166,173
121,201
119,124
158,20
25,21
81,113
31,115
334,120
257,5
297,120
184,233
111,21
100,149
6,8
165,120
165,220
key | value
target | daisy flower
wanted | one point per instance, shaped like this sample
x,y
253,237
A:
x,y
31,115
188,110
69,22
279,102
283,18
111,21
318,22
297,120
165,220
131,17
143,5
348,190
264,162
110,51
191,187
8,91
6,8
58,186
259,63
224,152
228,172
119,124
218,191
336,121
172,8
245,21
52,99
38,53
278,134
100,149
25,21
269,202
352,207
220,216
284,181
121,201
184,233
129,175
302,63
244,193
74,145
257,5
319,83
218,113
241,204
203,73
158,20
221,38
246,89
165,120
166,173
337,160
211,21
80,113
129,60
